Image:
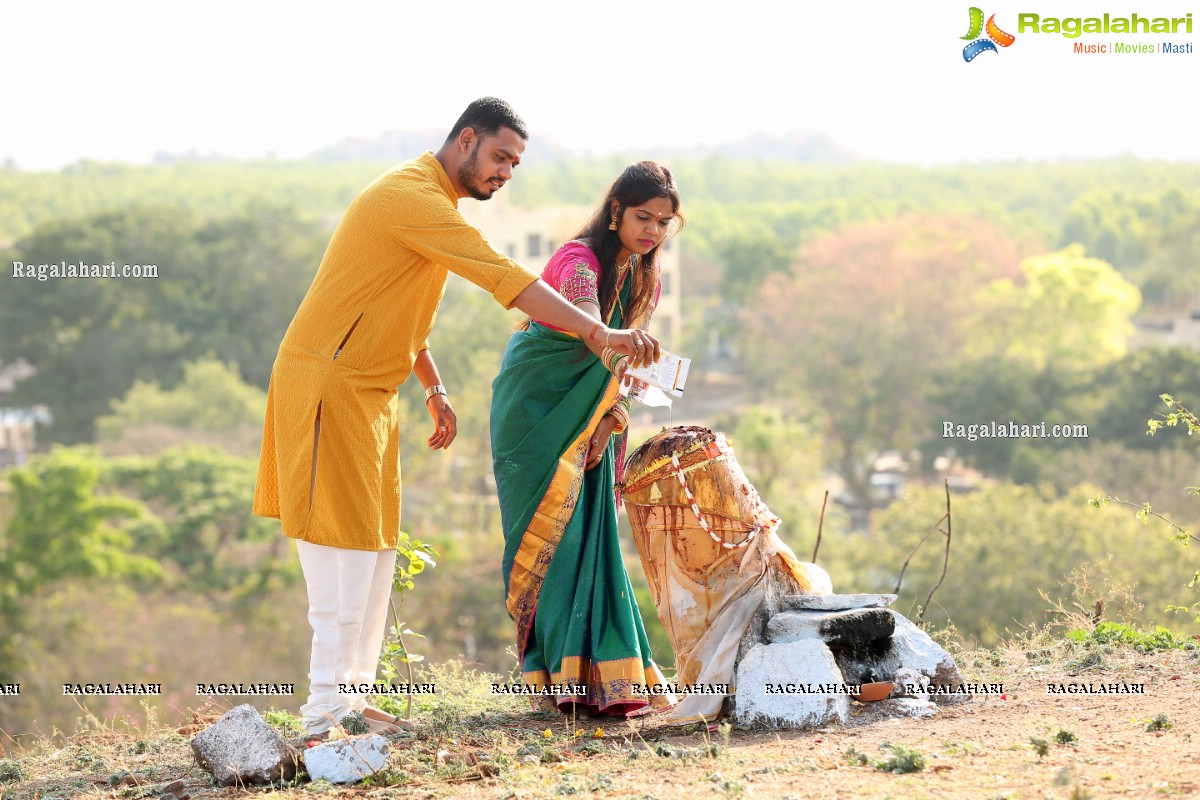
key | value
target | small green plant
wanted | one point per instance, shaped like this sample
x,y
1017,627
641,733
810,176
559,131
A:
x,y
1108,632
857,757
901,759
288,726
685,753
1177,416
588,747
13,771
412,556
1160,723
1040,746
732,788
1065,736
569,786
602,783
321,786
355,723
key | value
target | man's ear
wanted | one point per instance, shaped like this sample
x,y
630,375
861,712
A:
x,y
466,137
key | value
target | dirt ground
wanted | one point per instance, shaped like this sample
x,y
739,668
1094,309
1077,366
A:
x,y
1091,745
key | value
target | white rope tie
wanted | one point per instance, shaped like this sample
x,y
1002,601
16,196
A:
x,y
760,511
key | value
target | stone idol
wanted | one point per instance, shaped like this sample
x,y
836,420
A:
x,y
743,611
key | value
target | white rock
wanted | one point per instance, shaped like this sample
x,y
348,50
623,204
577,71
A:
x,y
804,663
909,678
346,760
907,707
242,749
792,626
916,651
837,602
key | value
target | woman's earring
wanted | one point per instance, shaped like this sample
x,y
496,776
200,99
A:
x,y
612,226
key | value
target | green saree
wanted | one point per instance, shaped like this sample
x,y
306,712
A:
x,y
567,588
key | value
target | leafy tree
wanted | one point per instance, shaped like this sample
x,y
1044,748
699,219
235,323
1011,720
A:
x,y
1110,225
212,543
1130,389
1043,350
1070,312
89,339
63,529
860,330
1008,544
211,399
225,288
750,251
255,268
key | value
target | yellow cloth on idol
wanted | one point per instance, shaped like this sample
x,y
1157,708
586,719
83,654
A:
x,y
366,316
708,579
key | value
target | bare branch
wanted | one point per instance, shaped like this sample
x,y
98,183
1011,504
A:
x,y
820,527
900,579
946,560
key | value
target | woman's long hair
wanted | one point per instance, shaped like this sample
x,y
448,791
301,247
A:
x,y
637,184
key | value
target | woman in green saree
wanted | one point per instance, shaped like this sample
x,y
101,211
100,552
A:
x,y
558,444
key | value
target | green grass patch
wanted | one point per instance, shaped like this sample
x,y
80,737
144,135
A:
x,y
1116,633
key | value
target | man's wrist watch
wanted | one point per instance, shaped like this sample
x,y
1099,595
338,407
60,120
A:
x,y
437,388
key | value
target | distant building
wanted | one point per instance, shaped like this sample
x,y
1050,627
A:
x,y
531,235
1177,332
17,425
17,428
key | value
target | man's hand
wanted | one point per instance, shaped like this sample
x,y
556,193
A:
x,y
444,421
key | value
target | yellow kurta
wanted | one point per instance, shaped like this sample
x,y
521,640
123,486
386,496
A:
x,y
366,316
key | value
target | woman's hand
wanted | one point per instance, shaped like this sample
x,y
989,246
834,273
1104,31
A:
x,y
599,442
641,347
444,420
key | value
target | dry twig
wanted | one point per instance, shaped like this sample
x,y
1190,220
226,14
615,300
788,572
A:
x,y
820,527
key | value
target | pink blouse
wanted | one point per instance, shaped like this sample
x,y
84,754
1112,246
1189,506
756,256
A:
x,y
574,272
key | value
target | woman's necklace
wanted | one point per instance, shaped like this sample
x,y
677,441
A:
x,y
622,272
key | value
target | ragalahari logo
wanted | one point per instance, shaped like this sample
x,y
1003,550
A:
x,y
994,37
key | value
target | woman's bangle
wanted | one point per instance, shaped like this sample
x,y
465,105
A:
x,y
437,388
619,413
592,334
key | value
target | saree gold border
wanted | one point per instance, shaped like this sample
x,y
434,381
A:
x,y
545,529
608,683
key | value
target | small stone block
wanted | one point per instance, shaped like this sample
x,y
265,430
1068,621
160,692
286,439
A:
x,y
835,602
790,685
839,629
346,760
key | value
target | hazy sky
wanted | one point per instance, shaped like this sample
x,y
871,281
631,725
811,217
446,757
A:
x,y
122,80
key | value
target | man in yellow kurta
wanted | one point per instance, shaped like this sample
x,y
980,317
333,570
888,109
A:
x,y
329,468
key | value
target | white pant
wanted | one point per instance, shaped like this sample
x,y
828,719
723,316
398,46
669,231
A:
x,y
348,593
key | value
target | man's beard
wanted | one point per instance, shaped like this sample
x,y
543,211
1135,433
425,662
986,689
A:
x,y
468,176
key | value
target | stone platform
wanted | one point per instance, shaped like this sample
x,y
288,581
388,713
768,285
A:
x,y
801,665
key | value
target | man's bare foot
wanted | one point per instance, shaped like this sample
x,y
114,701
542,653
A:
x,y
381,727
378,714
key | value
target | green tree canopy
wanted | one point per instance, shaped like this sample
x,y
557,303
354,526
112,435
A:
x,y
211,399
1070,312
64,528
225,288
862,327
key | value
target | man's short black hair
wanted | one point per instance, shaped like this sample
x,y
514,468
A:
x,y
486,116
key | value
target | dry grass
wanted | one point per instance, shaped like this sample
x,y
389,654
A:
x,y
470,744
